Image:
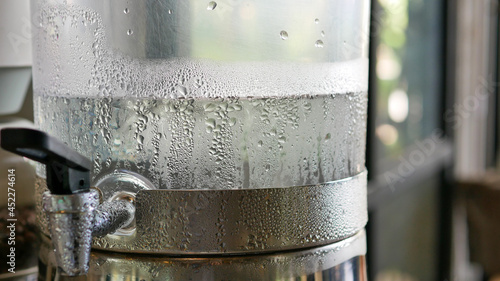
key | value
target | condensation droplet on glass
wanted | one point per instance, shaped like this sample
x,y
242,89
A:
x,y
126,11
284,35
130,32
316,21
322,34
211,5
169,12
319,44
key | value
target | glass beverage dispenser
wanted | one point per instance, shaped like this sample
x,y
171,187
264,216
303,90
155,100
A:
x,y
234,131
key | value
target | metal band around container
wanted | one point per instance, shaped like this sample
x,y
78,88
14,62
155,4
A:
x,y
244,221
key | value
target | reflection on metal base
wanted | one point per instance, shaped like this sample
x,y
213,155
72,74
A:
x,y
343,260
241,221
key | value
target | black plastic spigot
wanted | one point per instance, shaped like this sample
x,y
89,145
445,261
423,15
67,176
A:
x,y
68,172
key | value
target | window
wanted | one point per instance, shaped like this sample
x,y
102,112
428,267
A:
x,y
407,150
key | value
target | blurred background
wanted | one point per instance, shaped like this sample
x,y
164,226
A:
x,y
433,140
433,149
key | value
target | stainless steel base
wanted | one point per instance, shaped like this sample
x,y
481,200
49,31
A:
x,y
343,260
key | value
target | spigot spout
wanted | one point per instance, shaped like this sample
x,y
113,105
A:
x,y
73,209
71,220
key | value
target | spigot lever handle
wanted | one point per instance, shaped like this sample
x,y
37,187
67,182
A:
x,y
67,170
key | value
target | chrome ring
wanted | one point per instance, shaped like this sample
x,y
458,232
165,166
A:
x,y
241,221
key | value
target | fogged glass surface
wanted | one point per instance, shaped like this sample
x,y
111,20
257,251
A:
x,y
190,94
